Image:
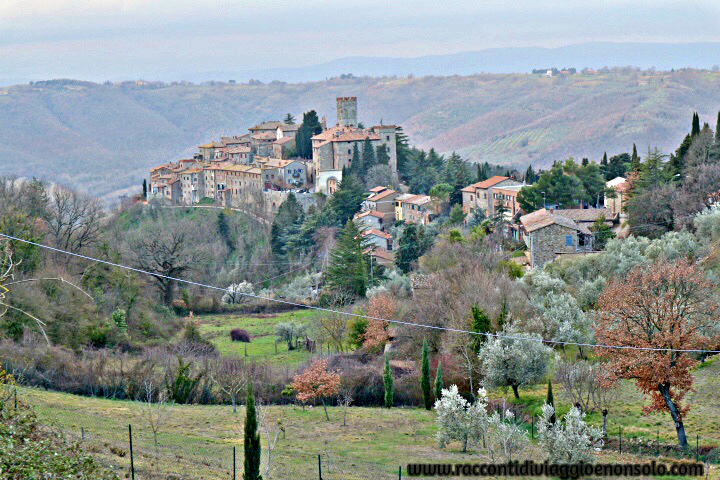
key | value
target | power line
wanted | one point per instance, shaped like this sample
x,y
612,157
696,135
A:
x,y
350,314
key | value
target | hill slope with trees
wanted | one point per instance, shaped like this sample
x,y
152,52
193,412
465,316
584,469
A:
x,y
104,138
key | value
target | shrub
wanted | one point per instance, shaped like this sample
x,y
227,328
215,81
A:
x,y
571,441
239,335
180,308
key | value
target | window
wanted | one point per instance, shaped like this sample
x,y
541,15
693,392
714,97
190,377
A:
x,y
387,138
568,240
349,151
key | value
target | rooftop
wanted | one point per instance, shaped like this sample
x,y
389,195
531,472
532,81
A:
x,y
372,213
345,134
376,232
485,183
381,195
271,125
544,218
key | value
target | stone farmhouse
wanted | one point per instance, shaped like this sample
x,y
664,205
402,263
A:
x,y
481,197
550,233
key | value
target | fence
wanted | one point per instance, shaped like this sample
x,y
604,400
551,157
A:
x,y
138,457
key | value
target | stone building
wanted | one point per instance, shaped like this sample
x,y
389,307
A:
x,y
549,234
332,149
616,202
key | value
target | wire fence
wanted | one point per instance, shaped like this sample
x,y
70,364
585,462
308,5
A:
x,y
137,456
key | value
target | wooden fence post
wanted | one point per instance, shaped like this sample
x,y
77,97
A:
x,y
319,468
132,458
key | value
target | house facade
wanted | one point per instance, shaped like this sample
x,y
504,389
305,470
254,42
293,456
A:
x,y
549,234
478,198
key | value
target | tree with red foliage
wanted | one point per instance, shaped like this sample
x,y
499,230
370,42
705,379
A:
x,y
382,305
316,383
668,307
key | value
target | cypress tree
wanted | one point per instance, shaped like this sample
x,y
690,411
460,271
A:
x,y
145,183
502,316
438,382
634,160
425,377
368,156
480,324
251,445
717,131
388,381
382,155
356,166
695,125
551,401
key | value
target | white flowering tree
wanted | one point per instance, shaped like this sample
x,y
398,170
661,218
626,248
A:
x,y
459,419
514,360
237,292
569,441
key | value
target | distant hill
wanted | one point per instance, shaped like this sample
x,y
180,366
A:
x,y
104,138
661,56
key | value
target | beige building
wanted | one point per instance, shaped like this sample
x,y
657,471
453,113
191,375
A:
x,y
616,203
382,200
478,197
414,209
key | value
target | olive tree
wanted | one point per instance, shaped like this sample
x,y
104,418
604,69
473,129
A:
x,y
515,359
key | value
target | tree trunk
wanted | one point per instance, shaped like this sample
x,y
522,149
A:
x,y
168,293
664,389
604,425
515,391
234,404
465,442
325,408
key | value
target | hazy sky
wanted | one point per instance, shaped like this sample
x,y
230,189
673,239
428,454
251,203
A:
x,y
120,39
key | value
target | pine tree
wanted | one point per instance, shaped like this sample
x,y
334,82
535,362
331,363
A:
x,y
289,215
289,119
409,248
388,381
480,324
585,162
346,200
348,268
252,446
438,382
425,377
144,187
530,175
551,401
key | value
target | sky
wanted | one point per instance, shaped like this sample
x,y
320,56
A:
x,y
187,39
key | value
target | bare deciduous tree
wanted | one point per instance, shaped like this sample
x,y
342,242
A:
x,y
272,431
73,219
155,408
230,375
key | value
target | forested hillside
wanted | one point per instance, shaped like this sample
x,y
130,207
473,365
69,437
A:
x,y
103,138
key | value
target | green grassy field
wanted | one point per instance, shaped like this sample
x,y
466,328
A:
x,y
196,441
261,328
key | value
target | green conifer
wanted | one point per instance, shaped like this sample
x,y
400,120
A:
x,y
388,381
425,377
438,382
252,446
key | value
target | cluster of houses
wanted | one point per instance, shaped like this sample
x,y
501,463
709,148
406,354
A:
x,y
382,208
261,168
549,232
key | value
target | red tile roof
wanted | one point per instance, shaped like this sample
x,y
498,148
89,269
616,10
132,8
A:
x,y
375,231
485,184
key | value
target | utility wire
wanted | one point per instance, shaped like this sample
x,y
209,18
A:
x,y
350,314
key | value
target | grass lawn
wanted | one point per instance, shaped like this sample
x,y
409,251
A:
x,y
261,328
196,441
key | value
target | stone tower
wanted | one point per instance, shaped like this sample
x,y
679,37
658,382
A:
x,y
347,111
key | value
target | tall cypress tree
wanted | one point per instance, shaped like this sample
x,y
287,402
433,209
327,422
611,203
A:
x,y
368,156
252,446
634,160
425,376
695,125
388,382
604,166
550,400
356,166
438,382
717,131
382,155
145,185
502,316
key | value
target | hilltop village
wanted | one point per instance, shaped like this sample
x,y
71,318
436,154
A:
x,y
257,171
